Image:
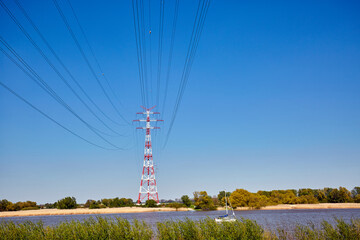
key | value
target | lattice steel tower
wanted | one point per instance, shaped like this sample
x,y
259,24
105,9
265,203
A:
x,y
148,189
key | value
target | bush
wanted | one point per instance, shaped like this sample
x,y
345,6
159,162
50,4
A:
x,y
150,203
186,200
174,205
67,203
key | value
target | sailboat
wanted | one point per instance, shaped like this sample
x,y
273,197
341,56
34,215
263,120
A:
x,y
226,217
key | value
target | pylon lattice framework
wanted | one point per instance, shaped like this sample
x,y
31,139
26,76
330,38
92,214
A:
x,y
148,188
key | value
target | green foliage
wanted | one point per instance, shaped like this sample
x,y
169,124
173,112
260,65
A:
x,y
175,205
203,201
150,203
206,229
51,205
99,228
186,200
67,203
340,196
243,198
6,205
117,202
221,197
341,230
240,198
209,229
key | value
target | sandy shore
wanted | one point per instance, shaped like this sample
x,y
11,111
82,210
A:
x,y
306,206
43,212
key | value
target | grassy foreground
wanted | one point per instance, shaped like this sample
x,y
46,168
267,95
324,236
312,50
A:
x,y
103,228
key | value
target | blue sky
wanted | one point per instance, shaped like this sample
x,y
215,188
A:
x,y
272,101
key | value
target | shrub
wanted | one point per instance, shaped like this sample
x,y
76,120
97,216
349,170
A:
x,y
67,203
186,200
150,203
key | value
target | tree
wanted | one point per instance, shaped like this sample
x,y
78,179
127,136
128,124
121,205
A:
x,y
150,203
67,203
221,197
340,195
203,201
89,202
174,205
186,200
257,201
240,198
4,205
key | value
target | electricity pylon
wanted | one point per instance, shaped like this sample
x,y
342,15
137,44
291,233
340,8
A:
x,y
148,188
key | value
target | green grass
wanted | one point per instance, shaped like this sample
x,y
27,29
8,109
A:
x,y
206,229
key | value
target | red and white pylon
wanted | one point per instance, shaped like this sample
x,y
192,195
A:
x,y
148,188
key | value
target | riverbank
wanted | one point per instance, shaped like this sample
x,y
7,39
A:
x,y
44,212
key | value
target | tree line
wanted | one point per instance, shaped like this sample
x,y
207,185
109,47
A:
x,y
201,200
244,198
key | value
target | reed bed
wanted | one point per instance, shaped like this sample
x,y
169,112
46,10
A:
x,y
118,228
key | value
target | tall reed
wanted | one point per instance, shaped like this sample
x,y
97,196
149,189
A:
x,y
118,228
99,228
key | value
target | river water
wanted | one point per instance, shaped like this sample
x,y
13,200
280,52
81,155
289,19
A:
x,y
270,219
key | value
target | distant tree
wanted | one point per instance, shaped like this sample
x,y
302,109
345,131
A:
x,y
4,204
257,201
344,195
89,202
305,192
150,203
94,205
355,194
50,205
203,201
174,205
320,195
340,195
221,197
106,202
186,200
67,203
240,198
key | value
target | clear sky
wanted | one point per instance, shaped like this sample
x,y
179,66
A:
x,y
272,101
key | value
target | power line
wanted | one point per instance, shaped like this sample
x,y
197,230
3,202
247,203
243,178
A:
x,y
170,54
150,52
161,31
93,53
142,34
138,50
40,82
194,41
52,119
86,59
59,60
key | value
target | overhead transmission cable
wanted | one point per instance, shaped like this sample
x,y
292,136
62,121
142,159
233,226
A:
x,y
87,60
170,55
41,83
161,31
150,53
194,41
52,119
93,54
59,60
142,34
139,50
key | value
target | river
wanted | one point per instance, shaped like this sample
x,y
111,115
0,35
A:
x,y
269,219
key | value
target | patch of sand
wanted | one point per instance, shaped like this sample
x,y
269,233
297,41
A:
x,y
42,212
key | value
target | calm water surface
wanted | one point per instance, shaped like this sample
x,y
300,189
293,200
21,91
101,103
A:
x,y
270,219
